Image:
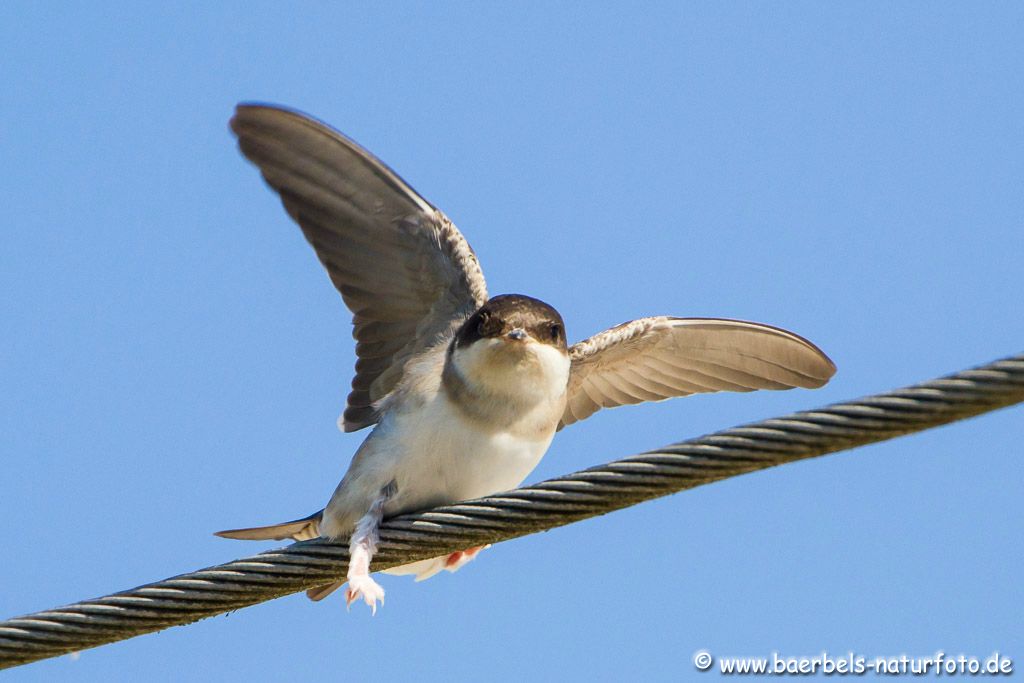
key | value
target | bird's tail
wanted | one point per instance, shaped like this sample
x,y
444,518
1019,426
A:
x,y
297,530
321,592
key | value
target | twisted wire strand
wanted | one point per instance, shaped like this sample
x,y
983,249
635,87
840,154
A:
x,y
189,597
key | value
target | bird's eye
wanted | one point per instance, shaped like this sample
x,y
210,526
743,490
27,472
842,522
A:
x,y
555,331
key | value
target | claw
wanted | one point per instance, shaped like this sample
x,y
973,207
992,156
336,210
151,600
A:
x,y
361,547
366,588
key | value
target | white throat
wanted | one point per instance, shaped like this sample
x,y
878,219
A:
x,y
508,385
524,372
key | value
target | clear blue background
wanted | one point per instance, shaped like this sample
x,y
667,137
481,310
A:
x,y
172,357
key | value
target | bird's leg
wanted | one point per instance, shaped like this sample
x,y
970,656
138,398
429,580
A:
x,y
361,547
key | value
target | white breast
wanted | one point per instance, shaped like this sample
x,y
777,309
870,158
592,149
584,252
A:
x,y
455,458
437,454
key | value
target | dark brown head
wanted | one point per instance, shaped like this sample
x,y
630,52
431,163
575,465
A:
x,y
513,318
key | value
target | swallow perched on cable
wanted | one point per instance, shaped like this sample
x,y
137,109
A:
x,y
464,391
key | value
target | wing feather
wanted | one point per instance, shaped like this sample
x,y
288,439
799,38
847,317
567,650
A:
x,y
402,268
652,359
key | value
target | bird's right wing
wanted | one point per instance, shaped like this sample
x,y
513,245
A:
x,y
403,269
652,359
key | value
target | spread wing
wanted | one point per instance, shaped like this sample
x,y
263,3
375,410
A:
x,y
652,359
406,273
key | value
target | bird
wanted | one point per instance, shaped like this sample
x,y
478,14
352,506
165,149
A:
x,y
464,392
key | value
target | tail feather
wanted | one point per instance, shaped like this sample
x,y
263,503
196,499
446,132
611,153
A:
x,y
320,592
309,527
297,530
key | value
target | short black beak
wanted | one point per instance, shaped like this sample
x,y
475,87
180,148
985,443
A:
x,y
518,334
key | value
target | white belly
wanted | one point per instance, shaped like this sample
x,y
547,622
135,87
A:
x,y
436,452
444,457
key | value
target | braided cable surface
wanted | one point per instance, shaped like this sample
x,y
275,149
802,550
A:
x,y
189,597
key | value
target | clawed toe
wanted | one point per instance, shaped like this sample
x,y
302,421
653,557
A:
x,y
366,588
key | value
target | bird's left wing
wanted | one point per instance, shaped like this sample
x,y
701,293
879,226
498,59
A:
x,y
652,359
404,270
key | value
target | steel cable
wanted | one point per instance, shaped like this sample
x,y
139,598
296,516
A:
x,y
189,597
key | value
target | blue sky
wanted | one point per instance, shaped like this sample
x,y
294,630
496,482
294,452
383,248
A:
x,y
173,359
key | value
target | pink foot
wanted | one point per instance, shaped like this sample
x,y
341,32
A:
x,y
460,557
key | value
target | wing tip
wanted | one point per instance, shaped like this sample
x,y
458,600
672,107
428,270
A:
x,y
253,110
825,370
